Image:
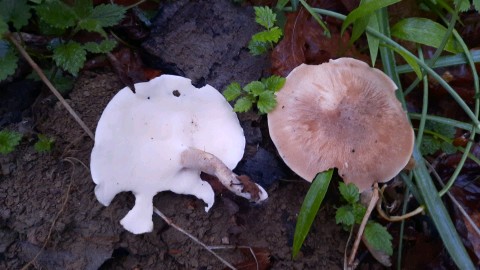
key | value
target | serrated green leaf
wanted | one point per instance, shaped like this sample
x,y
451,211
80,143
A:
x,y
310,207
349,192
104,46
265,17
8,141
462,5
243,104
344,215
271,35
358,211
57,14
44,144
15,11
476,4
8,64
448,148
273,83
232,91
83,8
108,14
258,48
378,237
429,145
266,102
70,56
443,129
255,88
365,10
424,31
50,30
91,25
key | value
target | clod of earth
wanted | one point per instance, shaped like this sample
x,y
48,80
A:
x,y
160,139
345,115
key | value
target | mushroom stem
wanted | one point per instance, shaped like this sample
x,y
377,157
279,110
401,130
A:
x,y
193,158
371,206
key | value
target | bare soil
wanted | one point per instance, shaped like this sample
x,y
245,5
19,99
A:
x,y
50,218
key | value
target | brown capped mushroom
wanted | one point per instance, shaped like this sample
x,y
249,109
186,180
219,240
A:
x,y
345,115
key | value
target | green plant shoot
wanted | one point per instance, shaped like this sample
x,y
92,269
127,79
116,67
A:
x,y
8,141
262,41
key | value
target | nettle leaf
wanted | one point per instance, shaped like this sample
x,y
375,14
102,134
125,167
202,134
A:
x,y
271,35
274,83
44,144
83,8
105,46
349,192
255,88
266,102
265,17
424,31
243,104
358,211
57,14
108,14
70,56
344,215
15,11
378,237
8,141
232,92
257,47
8,62
91,25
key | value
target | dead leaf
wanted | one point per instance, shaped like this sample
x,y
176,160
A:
x,y
256,259
305,42
249,187
379,255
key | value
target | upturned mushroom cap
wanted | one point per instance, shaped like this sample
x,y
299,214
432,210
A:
x,y
341,114
140,137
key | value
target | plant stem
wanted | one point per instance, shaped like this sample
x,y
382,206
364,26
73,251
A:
x,y
49,84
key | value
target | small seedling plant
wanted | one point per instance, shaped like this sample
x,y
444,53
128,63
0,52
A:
x,y
265,40
61,23
261,93
352,212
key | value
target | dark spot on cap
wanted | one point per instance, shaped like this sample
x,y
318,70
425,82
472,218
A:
x,y
176,93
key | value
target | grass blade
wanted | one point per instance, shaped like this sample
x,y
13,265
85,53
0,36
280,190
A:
x,y
310,207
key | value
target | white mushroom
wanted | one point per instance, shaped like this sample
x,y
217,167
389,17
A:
x,y
160,139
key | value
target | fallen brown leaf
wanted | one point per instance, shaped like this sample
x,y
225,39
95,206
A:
x,y
259,260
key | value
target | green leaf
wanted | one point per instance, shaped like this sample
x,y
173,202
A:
x,y
430,145
243,104
265,17
91,25
255,88
44,144
70,56
441,128
258,48
15,11
271,35
83,8
358,211
378,237
57,14
108,14
424,31
344,215
462,5
317,18
373,42
411,61
310,207
365,10
476,4
274,83
232,91
349,192
448,148
358,28
107,45
8,141
266,102
8,62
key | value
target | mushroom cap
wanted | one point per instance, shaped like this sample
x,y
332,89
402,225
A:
x,y
140,137
345,115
